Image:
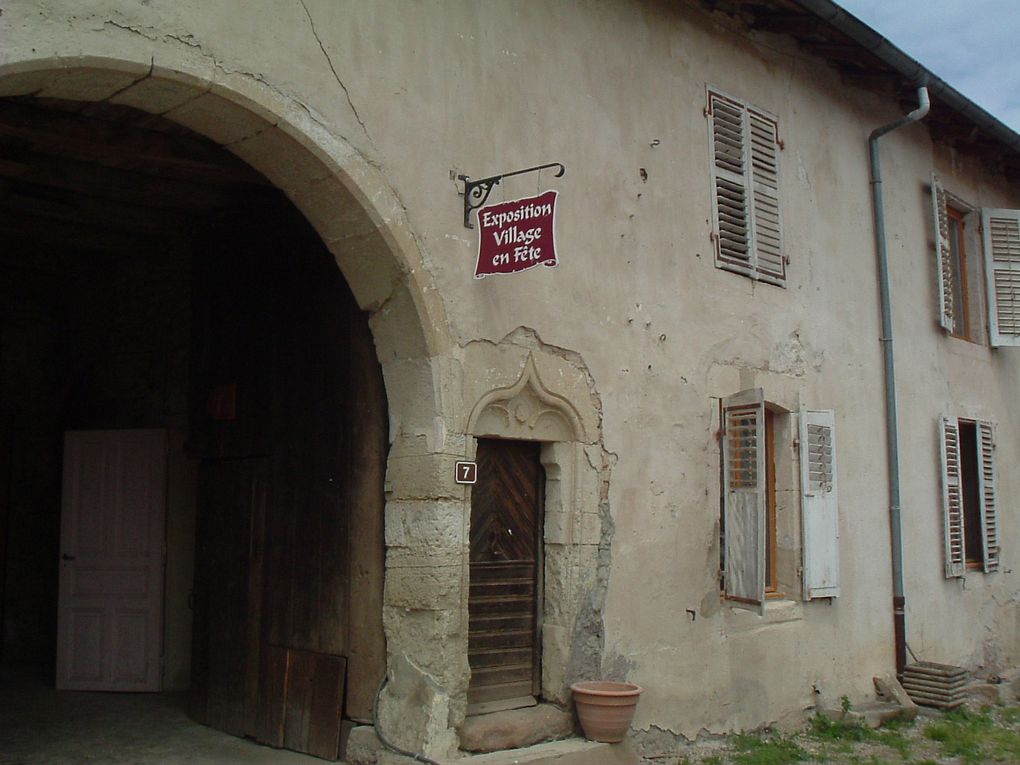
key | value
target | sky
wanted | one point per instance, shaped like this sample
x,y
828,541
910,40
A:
x,y
974,45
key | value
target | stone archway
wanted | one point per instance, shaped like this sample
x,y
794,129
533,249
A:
x,y
359,218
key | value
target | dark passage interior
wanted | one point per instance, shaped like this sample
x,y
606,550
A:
x,y
151,280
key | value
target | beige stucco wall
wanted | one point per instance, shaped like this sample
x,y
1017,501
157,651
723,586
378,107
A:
x,y
636,328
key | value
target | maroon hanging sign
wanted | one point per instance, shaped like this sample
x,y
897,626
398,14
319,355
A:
x,y
517,235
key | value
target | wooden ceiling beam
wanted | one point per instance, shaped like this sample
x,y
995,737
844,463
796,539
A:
x,y
76,236
110,183
117,144
97,213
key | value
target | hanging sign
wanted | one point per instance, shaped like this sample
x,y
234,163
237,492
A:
x,y
517,235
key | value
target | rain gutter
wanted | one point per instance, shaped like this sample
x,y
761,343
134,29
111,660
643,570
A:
x,y
909,68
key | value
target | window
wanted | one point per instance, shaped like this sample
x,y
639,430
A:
x,y
962,236
745,149
970,515
752,443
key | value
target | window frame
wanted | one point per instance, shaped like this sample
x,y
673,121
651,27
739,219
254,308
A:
x,y
954,504
754,434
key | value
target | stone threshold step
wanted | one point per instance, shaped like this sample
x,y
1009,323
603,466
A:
x,y
571,751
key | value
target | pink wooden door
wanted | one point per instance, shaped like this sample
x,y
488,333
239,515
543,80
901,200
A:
x,y
110,612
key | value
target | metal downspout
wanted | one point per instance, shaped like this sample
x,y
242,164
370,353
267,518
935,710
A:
x,y
892,437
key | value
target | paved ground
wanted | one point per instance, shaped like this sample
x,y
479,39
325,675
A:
x,y
42,726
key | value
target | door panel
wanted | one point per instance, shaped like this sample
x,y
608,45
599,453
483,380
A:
x,y
110,611
505,562
226,631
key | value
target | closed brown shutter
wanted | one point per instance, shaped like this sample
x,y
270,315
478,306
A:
x,y
745,184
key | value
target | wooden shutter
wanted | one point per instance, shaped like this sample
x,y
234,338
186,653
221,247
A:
x,y
943,258
766,234
819,505
745,182
744,497
729,182
952,497
986,489
1002,270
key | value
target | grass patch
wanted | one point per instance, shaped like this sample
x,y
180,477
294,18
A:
x,y
975,738
824,728
1010,715
774,750
842,735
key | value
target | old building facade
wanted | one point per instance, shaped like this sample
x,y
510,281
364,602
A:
x,y
695,393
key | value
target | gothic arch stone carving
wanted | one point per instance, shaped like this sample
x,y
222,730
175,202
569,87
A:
x,y
526,410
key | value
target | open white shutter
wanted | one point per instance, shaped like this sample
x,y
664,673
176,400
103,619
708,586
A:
x,y
767,230
730,199
986,488
1002,270
952,497
744,497
943,258
819,505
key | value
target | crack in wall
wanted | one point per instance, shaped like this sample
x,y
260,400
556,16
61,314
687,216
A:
x,y
347,93
149,33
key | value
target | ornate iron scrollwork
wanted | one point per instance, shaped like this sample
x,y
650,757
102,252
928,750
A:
x,y
477,192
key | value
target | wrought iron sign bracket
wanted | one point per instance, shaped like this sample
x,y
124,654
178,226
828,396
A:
x,y
477,192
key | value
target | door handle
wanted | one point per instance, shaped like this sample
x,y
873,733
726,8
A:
x,y
65,556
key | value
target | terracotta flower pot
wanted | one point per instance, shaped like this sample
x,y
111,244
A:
x,y
605,708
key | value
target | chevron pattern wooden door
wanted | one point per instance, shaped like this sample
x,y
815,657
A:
x,y
506,570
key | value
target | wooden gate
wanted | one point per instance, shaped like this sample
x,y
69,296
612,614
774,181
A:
x,y
504,604
289,421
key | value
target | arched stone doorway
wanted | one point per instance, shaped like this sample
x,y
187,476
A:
x,y
343,197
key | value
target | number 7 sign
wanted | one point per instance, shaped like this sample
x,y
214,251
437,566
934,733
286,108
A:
x,y
466,472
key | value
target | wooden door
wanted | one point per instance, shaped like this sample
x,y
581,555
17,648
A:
x,y
225,632
289,419
506,567
110,609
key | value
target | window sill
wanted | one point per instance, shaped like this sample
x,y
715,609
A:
x,y
972,349
777,611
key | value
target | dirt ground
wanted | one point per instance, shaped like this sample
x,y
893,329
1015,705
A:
x,y
977,734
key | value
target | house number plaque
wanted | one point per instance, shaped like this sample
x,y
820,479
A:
x,y
466,472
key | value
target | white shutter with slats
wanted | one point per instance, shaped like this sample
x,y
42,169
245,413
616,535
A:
x,y
1002,270
744,498
952,497
986,489
819,505
730,203
767,230
943,257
